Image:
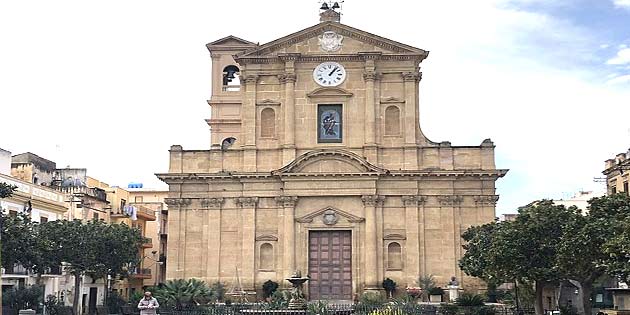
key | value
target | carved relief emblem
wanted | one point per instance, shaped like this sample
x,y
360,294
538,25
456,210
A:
x,y
329,217
330,41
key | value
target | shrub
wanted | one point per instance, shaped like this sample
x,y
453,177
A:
x,y
269,287
218,291
390,286
278,300
53,305
448,309
318,308
371,299
114,302
23,298
468,299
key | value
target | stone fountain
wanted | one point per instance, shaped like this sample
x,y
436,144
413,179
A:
x,y
297,302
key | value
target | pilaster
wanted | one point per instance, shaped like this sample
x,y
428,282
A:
x,y
288,78
248,247
370,202
248,122
288,205
410,80
412,226
369,76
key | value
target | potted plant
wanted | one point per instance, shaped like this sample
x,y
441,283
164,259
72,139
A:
x,y
390,286
435,294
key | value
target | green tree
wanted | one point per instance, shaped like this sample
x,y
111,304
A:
x,y
118,250
6,191
525,249
611,215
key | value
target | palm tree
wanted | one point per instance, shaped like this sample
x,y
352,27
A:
x,y
181,292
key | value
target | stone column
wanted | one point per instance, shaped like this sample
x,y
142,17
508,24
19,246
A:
x,y
289,78
412,225
213,238
248,122
371,264
410,124
288,205
248,242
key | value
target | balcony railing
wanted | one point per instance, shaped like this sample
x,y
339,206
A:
x,y
147,242
90,191
16,270
143,273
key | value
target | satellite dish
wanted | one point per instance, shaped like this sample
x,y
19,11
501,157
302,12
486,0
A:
x,y
227,142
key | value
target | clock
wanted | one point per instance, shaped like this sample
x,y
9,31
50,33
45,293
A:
x,y
329,74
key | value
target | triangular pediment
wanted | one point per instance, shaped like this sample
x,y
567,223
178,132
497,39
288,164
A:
x,y
330,162
354,41
230,43
330,211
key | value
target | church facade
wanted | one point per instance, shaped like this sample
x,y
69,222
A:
x,y
318,164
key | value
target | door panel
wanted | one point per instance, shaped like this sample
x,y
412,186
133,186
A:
x,y
330,265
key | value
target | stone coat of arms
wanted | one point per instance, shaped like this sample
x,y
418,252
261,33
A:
x,y
330,41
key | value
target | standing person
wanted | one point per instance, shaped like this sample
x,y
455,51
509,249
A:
x,y
148,304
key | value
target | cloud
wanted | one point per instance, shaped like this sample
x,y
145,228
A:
x,y
622,3
622,58
619,79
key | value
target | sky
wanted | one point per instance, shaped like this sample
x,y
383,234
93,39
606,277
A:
x,y
111,85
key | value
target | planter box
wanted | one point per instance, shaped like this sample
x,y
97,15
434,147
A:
x,y
435,298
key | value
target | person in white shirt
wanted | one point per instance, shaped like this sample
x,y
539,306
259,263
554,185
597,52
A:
x,y
148,304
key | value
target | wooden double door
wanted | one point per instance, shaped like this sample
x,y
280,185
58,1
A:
x,y
330,265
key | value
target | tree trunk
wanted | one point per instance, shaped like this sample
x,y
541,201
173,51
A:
x,y
77,293
586,289
538,306
106,293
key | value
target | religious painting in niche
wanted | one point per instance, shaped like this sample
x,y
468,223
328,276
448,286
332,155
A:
x,y
329,123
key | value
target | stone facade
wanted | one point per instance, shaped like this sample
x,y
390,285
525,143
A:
x,y
254,206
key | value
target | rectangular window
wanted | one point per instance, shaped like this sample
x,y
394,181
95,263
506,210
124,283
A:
x,y
625,188
43,219
123,202
95,216
329,123
138,199
12,213
613,190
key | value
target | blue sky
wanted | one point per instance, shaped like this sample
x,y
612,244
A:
x,y
111,85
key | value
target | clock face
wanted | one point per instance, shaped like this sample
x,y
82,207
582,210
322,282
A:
x,y
329,74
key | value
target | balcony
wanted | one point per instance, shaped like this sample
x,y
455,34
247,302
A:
x,y
16,271
144,213
147,242
53,271
83,190
141,273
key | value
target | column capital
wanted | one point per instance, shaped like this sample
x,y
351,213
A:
x,y
286,201
288,77
178,202
370,76
212,203
414,200
372,200
249,79
486,200
412,76
246,202
450,200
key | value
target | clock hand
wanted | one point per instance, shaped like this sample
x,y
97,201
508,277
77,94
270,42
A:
x,y
333,71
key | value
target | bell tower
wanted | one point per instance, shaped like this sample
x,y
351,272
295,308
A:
x,y
225,102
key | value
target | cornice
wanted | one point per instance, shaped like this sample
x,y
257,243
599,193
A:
x,y
176,178
268,102
348,216
178,202
267,237
328,57
394,236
